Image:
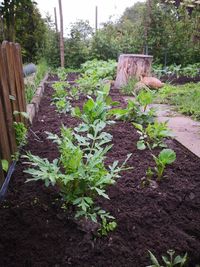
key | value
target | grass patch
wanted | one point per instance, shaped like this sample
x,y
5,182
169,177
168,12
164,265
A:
x,y
186,98
128,89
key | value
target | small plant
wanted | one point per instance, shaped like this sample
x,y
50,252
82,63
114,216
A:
x,y
134,113
60,97
95,110
20,133
153,135
169,261
106,226
128,89
61,72
165,157
145,98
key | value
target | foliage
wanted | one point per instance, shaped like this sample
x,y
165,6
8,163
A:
x,y
20,133
128,89
77,43
153,135
60,97
32,82
79,172
185,98
165,157
24,24
190,70
95,74
106,227
136,110
94,110
168,260
5,165
100,69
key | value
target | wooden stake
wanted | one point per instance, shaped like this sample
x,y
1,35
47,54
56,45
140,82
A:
x,y
62,57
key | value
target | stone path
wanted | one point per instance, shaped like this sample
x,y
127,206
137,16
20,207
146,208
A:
x,y
186,130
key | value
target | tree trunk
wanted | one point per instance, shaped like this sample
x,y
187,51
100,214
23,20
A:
x,y
62,58
132,66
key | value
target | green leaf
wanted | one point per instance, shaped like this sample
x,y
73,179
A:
x,y
153,259
141,145
138,126
5,165
167,156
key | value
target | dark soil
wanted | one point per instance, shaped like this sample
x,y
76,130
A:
x,y
36,232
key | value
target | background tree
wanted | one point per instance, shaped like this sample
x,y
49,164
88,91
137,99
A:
x,y
77,43
23,23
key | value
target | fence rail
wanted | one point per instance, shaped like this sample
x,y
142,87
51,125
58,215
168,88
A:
x,y
12,98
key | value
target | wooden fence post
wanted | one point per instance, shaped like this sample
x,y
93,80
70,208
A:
x,y
6,104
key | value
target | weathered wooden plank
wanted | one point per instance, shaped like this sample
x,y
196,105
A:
x,y
4,141
1,174
6,104
8,53
18,68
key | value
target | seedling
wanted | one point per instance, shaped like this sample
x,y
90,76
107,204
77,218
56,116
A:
x,y
153,135
169,260
20,133
165,157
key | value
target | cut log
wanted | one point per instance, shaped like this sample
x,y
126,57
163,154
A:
x,y
132,66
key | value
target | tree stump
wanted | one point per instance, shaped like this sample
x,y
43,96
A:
x,y
132,65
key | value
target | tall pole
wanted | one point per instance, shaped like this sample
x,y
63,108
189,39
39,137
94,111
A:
x,y
96,18
56,22
62,58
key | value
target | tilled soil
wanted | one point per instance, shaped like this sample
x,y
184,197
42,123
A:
x,y
36,232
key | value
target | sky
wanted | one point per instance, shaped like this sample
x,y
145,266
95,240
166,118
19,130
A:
x,y
74,10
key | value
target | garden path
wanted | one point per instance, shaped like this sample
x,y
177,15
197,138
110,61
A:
x,y
185,129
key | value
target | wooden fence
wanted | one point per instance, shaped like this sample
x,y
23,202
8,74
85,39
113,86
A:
x,y
12,98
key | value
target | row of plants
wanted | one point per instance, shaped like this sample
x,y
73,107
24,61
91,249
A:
x,y
191,70
80,172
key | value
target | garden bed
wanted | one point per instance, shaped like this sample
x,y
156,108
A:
x,y
36,231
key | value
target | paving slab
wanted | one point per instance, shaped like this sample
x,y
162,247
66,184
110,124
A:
x,y
185,129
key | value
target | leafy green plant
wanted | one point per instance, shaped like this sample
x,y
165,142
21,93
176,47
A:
x,y
100,69
134,113
128,89
60,97
165,157
79,172
153,135
170,260
107,227
95,110
5,165
61,72
20,133
145,98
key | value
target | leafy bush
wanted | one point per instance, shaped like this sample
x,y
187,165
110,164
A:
x,y
136,110
79,172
